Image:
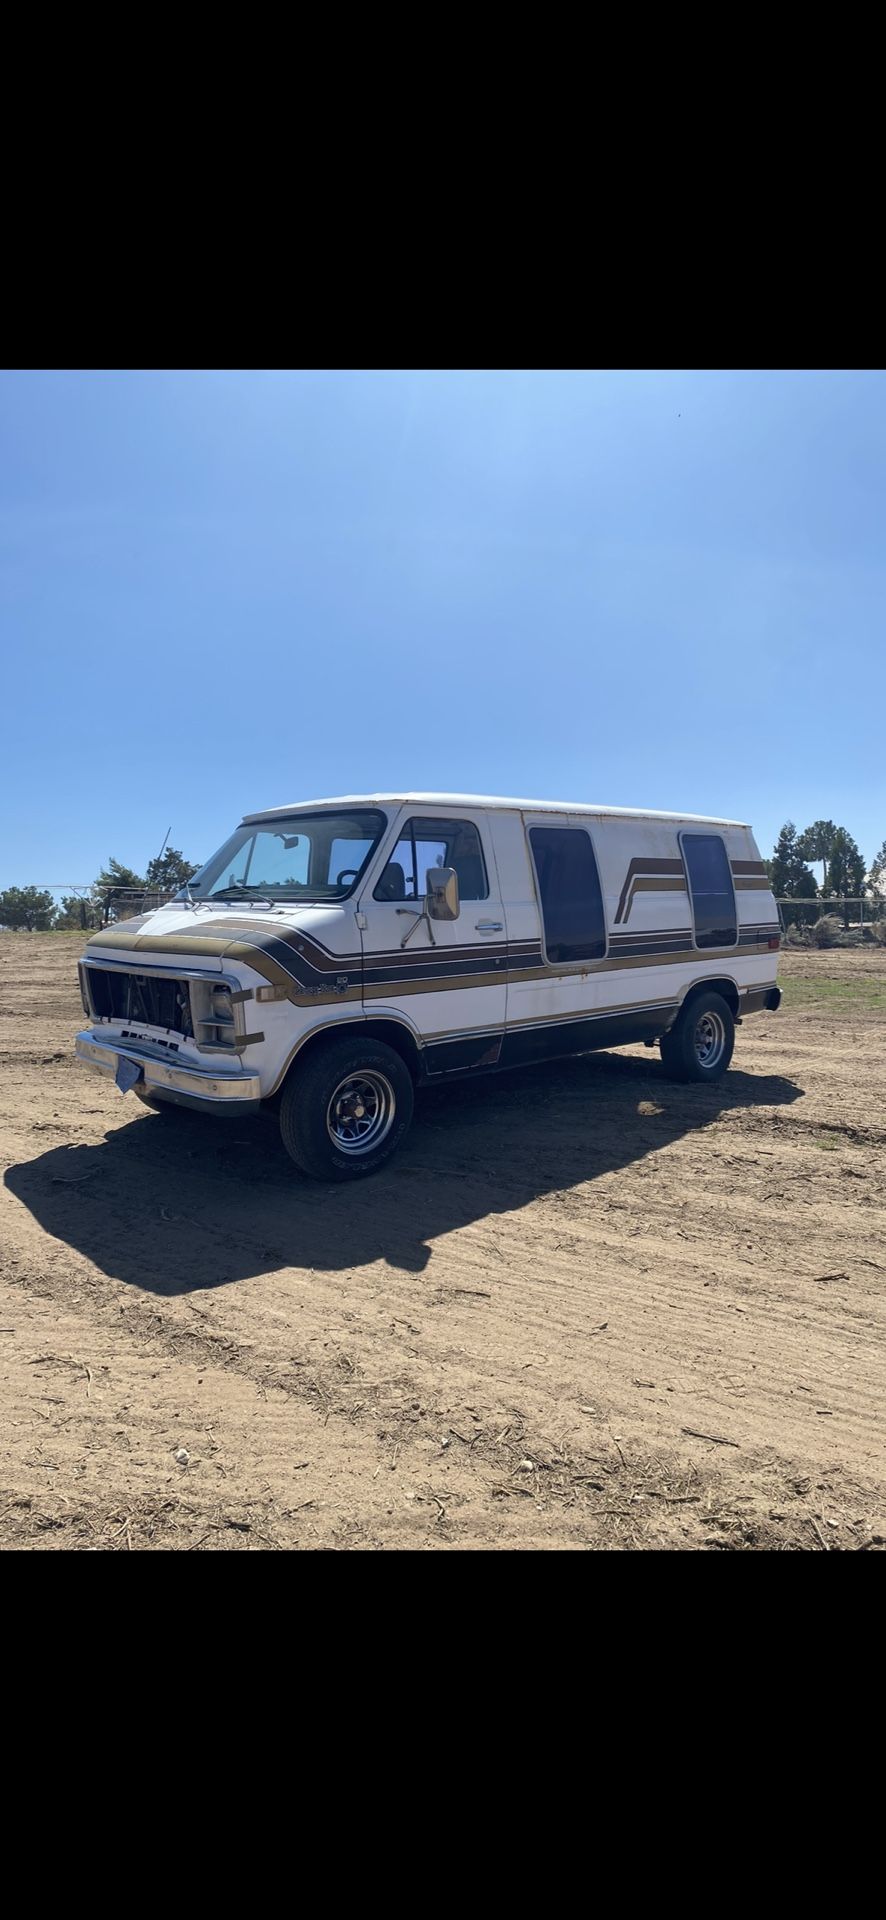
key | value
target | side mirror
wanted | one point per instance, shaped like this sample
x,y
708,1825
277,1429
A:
x,y
442,899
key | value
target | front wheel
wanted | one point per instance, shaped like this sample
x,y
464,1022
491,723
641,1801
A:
x,y
346,1110
700,1043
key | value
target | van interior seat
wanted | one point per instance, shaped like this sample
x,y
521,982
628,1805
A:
x,y
392,885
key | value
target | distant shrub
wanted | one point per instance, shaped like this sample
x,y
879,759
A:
x,y
878,932
826,931
796,936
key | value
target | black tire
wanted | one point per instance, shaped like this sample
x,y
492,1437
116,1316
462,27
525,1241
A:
x,y
700,1043
317,1104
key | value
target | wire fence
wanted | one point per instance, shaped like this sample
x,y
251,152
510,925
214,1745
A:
x,y
123,903
96,907
854,911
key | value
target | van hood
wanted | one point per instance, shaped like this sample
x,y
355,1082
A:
x,y
301,948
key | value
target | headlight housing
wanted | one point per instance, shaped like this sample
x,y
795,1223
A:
x,y
215,1023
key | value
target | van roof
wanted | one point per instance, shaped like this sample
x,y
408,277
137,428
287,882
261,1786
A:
x,y
484,800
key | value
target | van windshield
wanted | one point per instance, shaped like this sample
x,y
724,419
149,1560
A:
x,y
304,856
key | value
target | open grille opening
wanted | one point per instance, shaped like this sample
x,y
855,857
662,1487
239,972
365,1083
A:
x,y
140,999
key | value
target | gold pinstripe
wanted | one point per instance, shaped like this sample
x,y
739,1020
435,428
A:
x,y
450,983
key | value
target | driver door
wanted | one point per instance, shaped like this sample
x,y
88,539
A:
x,y
447,979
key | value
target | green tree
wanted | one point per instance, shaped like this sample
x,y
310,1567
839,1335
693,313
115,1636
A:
x,y
846,872
170,870
816,843
76,910
877,875
789,876
117,880
788,872
26,909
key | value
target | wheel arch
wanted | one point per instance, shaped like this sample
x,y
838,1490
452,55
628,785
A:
x,y
719,984
395,1033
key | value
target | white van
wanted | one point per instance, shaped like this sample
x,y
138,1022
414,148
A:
x,y
336,953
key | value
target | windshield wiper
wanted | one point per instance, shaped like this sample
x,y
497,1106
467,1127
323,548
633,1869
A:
x,y
234,893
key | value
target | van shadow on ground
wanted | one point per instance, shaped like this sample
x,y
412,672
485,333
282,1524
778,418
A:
x,y
174,1202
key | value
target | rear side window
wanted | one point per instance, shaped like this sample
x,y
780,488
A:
x,y
434,843
709,876
571,898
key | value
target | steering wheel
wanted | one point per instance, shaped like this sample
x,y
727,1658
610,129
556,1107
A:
x,y
347,873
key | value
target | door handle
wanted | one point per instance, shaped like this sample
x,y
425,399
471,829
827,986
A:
x,y
489,926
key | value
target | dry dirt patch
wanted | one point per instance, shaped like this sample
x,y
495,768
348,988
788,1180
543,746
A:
x,y
583,1308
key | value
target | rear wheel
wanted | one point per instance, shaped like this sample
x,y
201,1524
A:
x,y
700,1043
346,1110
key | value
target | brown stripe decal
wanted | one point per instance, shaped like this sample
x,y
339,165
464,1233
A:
x,y
650,884
311,975
439,973
644,874
647,936
217,935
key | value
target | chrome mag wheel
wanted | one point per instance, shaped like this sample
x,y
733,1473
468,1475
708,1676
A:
x,y
361,1112
710,1040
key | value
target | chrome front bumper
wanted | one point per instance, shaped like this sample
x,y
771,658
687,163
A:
x,y
183,1086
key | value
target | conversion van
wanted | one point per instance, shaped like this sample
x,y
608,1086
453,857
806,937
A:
x,y
336,953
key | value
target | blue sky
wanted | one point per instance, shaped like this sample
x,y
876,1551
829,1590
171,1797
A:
x,y
220,591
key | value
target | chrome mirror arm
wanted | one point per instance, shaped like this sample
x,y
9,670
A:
x,y
424,915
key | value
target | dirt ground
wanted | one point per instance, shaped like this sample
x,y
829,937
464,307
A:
x,y
583,1308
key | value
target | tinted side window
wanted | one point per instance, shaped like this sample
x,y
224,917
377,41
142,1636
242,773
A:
x,y
434,843
571,899
710,889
